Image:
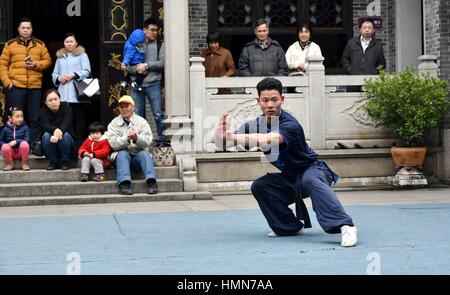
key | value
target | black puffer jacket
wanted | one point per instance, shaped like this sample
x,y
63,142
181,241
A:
x,y
356,62
255,61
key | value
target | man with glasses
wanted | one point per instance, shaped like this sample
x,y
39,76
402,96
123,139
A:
x,y
153,68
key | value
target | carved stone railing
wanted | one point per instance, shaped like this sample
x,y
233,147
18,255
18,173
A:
x,y
331,117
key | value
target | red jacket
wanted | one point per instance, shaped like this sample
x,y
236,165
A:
x,y
100,149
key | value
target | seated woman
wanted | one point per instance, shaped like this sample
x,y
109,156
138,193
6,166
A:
x,y
218,60
298,53
55,120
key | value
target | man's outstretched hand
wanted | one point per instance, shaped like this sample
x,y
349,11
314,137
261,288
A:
x,y
223,135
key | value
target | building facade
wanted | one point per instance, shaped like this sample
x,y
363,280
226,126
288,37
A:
x,y
410,28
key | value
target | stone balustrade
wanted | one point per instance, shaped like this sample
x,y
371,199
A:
x,y
331,117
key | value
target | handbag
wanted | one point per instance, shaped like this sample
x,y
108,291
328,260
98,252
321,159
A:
x,y
163,156
86,88
37,148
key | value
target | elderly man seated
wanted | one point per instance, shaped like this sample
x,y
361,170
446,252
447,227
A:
x,y
130,136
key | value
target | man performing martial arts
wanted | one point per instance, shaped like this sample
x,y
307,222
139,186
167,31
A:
x,y
303,174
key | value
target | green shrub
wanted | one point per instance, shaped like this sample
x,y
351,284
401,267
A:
x,y
407,103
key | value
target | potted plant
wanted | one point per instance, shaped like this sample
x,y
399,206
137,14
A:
x,y
410,105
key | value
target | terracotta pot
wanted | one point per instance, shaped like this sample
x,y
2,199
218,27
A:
x,y
408,156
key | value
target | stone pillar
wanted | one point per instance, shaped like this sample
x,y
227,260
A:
x,y
317,102
198,101
407,31
427,65
176,32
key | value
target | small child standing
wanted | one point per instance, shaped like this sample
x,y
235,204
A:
x,y
133,54
95,151
14,139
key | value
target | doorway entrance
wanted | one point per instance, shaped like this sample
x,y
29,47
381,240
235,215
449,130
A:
x,y
51,23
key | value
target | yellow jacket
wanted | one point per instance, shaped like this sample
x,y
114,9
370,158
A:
x,y
12,63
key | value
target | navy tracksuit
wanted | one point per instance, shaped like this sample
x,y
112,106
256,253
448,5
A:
x,y
302,173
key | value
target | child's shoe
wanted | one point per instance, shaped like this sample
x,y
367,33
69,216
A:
x,y
25,166
84,177
9,167
100,177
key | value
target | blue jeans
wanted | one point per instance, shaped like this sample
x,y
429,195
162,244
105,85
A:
x,y
142,161
62,147
153,94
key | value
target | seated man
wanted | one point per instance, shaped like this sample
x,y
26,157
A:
x,y
130,136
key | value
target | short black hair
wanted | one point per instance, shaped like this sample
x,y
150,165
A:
x,y
24,20
96,127
150,21
212,37
366,19
261,21
306,26
269,84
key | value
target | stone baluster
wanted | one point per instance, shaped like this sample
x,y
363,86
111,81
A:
x,y
317,102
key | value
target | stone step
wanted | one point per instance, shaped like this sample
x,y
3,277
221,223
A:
x,y
40,163
13,190
42,175
104,198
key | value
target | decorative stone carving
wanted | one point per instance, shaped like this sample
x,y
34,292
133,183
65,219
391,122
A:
x,y
212,91
358,114
188,172
251,90
245,111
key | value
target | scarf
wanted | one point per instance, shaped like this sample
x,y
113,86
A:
x,y
304,44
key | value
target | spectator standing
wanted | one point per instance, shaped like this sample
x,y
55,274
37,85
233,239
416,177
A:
x,y
218,60
72,64
262,56
298,53
153,68
363,54
22,63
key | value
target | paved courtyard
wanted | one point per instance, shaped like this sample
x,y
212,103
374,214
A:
x,y
400,232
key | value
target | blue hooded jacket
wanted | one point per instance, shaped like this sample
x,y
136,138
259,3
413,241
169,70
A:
x,y
12,132
131,54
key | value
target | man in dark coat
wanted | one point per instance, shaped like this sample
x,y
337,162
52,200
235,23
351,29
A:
x,y
364,54
262,56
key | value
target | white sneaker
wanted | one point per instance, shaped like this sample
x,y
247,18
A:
x,y
349,236
274,235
